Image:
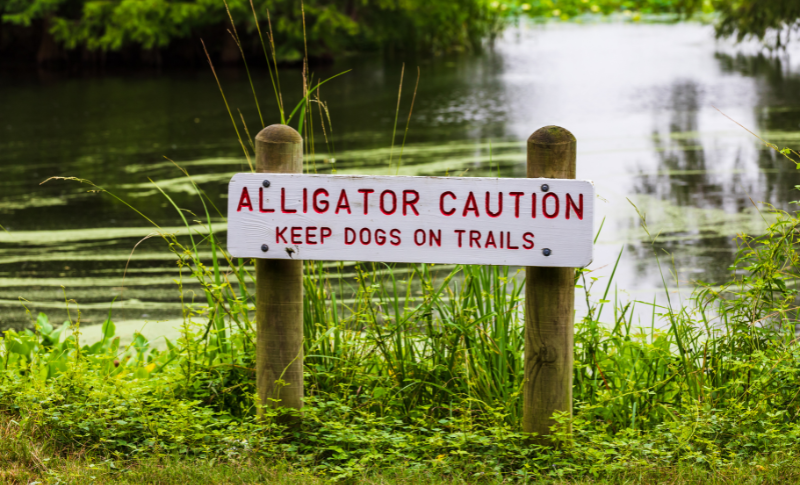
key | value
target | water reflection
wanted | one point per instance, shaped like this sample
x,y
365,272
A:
x,y
729,182
639,98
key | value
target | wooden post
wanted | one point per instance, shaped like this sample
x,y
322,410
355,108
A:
x,y
279,289
549,303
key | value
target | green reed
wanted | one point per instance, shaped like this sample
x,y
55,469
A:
x,y
441,347
450,339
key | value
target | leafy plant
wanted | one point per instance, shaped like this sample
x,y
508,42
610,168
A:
x,y
420,367
317,28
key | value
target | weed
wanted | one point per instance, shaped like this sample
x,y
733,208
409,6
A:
x,y
418,369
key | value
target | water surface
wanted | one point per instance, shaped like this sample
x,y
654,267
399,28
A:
x,y
641,99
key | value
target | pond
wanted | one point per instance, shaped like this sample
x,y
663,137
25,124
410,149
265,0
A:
x,y
643,100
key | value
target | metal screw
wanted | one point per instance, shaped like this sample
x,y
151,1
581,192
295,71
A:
x,y
265,183
545,187
546,251
265,248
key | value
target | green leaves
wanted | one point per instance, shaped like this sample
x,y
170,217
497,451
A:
x,y
758,18
24,12
20,344
422,367
108,330
331,27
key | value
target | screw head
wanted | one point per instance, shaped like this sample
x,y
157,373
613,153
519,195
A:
x,y
265,183
264,248
545,187
546,251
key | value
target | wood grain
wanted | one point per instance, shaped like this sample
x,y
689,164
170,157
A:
x,y
549,304
279,290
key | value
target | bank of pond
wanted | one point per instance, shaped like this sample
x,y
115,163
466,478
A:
x,y
423,371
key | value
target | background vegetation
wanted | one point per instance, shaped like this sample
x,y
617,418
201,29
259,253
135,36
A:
x,y
775,21
330,28
418,369
95,31
566,9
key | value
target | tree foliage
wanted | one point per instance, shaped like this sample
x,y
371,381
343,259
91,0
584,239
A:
x,y
772,21
331,26
566,9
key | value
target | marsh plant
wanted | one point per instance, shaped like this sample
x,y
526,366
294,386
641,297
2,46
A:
x,y
420,367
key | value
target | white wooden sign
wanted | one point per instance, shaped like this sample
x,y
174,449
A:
x,y
497,221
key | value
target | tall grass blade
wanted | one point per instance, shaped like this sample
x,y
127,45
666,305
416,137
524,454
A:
x,y
236,128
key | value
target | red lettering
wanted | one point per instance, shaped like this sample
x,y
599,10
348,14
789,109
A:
x,y
347,232
305,201
395,236
578,208
361,236
435,237
343,203
508,238
475,236
490,240
459,232
320,207
279,235
394,202
544,206
533,206
419,231
471,205
244,200
528,238
324,232
283,203
297,235
309,236
410,203
380,237
441,203
516,196
501,239
261,201
499,205
366,193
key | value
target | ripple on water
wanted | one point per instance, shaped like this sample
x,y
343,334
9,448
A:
x,y
639,98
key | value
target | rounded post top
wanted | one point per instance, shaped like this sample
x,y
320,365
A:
x,y
279,134
551,135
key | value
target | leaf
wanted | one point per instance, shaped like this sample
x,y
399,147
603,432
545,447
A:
x,y
140,343
109,329
19,345
43,324
94,348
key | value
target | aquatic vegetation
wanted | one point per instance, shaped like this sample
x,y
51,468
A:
x,y
421,366
566,9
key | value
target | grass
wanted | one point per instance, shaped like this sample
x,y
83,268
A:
x,y
28,456
417,373
414,373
